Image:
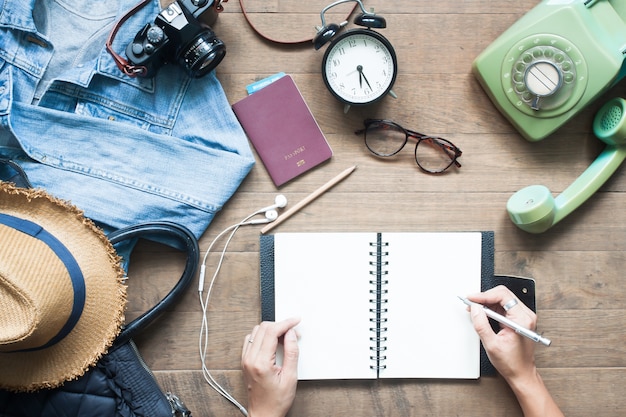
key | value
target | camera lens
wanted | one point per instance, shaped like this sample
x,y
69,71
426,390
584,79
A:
x,y
203,54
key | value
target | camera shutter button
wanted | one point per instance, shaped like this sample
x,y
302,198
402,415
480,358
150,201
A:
x,y
137,49
155,35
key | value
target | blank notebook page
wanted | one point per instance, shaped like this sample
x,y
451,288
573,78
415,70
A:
x,y
430,334
325,279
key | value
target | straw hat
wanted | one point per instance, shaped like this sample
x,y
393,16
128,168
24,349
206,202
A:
x,y
62,299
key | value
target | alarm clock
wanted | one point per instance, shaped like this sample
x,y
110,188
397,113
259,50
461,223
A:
x,y
360,65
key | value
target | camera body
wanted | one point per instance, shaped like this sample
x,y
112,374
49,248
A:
x,y
178,35
553,62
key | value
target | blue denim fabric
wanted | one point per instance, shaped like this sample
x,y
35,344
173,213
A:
x,y
125,150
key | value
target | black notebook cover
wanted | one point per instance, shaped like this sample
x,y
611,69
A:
x,y
523,288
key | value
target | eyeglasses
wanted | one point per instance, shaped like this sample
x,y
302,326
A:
x,y
386,138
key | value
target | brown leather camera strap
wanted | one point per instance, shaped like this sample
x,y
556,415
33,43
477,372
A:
x,y
281,41
136,70
123,64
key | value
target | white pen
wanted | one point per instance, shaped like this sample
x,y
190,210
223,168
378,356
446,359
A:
x,y
510,323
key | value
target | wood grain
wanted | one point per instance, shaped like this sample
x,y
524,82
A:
x,y
578,265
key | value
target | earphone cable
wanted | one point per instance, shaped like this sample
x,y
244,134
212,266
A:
x,y
204,330
203,341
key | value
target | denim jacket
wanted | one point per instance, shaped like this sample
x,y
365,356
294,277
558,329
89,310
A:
x,y
125,150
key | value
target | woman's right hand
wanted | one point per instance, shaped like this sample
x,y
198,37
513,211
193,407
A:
x,y
512,354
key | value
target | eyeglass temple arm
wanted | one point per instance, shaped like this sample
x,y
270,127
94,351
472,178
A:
x,y
456,152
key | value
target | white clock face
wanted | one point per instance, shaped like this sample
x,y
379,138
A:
x,y
359,67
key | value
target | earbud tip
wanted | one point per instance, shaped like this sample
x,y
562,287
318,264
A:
x,y
280,201
271,215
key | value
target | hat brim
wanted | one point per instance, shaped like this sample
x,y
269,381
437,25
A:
x,y
105,302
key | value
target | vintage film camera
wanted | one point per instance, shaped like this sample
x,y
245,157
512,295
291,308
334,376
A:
x,y
178,35
554,61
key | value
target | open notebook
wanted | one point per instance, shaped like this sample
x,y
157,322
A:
x,y
378,305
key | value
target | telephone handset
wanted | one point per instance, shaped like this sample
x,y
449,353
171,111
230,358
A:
x,y
535,210
553,62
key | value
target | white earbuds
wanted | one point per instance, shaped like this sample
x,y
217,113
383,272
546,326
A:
x,y
270,216
279,202
271,213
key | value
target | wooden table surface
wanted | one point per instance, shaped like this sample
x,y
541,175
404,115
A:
x,y
578,264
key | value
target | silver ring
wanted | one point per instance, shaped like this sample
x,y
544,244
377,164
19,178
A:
x,y
510,304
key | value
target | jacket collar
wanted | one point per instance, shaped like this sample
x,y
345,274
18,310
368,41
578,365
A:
x,y
18,14
125,34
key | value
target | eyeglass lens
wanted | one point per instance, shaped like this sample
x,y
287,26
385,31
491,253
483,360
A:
x,y
387,139
432,155
384,139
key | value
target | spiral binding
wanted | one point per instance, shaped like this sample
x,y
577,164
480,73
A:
x,y
379,300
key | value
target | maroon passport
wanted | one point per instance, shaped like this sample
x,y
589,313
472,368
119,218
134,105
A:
x,y
282,129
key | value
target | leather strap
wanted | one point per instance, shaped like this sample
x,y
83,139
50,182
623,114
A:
x,y
190,244
125,66
282,41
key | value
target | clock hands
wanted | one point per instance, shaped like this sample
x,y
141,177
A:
x,y
362,77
